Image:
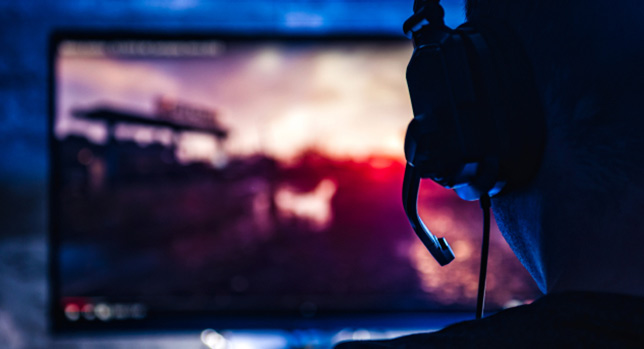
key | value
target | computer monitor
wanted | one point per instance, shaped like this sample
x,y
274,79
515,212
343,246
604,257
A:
x,y
247,182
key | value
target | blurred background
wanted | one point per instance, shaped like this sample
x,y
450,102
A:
x,y
25,163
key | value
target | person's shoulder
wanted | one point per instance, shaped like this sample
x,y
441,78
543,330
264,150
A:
x,y
564,320
462,334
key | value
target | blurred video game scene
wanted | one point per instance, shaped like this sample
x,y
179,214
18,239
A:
x,y
249,177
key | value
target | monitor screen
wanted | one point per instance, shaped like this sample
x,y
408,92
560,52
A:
x,y
232,181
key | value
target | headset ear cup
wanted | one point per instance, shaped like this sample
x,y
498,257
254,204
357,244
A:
x,y
431,148
478,126
505,85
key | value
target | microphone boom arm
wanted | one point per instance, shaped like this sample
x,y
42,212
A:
x,y
438,247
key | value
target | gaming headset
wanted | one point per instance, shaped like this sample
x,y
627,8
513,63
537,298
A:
x,y
478,126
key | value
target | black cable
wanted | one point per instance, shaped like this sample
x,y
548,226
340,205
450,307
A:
x,y
480,299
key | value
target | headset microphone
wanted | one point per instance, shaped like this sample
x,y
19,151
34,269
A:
x,y
438,247
478,126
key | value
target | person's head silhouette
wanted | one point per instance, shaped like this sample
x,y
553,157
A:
x,y
577,225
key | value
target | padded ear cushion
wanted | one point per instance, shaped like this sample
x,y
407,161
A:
x,y
452,138
434,143
504,83
478,125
